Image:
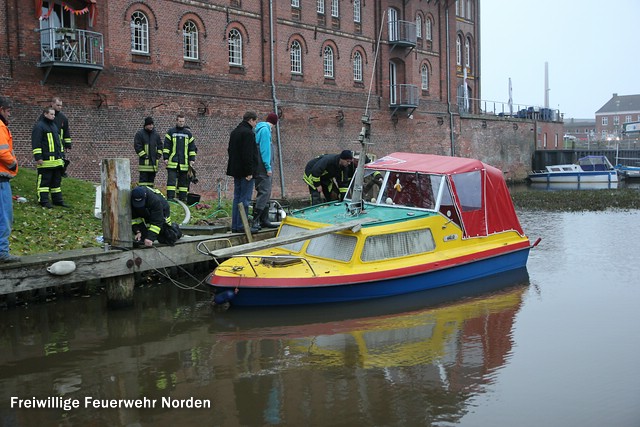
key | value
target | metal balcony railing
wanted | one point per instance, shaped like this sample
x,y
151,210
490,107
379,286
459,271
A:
x,y
71,47
403,97
402,33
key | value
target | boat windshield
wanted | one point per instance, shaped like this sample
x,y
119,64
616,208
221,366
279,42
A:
x,y
410,189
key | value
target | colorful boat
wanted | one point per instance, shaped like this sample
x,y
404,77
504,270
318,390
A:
x,y
410,222
588,169
628,172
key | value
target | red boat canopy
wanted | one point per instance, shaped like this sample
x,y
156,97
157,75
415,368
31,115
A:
x,y
479,191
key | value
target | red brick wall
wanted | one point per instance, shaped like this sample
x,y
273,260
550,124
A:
x,y
213,95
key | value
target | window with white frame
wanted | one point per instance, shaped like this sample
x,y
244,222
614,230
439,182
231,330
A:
x,y
627,119
462,12
139,33
328,62
427,29
320,6
190,40
457,8
459,50
467,53
357,67
424,75
469,12
616,120
603,134
335,8
295,3
605,121
356,10
235,47
296,57
418,27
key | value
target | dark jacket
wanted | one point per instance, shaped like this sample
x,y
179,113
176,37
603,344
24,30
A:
x,y
148,146
179,148
243,152
46,145
154,215
62,123
323,169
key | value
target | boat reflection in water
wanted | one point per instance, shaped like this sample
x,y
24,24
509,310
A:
x,y
422,356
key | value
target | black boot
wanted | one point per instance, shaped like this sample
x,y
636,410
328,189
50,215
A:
x,y
255,222
57,200
264,219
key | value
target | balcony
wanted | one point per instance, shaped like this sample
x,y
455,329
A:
x,y
71,48
403,97
402,34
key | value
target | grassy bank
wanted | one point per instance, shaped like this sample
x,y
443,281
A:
x,y
38,230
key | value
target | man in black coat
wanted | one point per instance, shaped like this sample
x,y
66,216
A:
x,y
242,166
151,217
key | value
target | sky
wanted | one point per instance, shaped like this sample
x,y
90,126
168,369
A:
x,y
591,48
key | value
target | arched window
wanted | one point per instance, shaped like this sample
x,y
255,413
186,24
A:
x,y
459,50
235,47
357,67
467,53
328,62
424,74
190,40
296,57
139,33
418,27
427,29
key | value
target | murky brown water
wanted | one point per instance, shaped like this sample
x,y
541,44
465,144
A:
x,y
555,345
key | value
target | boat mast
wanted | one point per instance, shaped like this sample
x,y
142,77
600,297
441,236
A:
x,y
357,205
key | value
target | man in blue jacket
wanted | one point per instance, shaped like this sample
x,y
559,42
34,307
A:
x,y
263,173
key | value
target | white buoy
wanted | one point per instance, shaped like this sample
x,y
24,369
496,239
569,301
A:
x,y
62,268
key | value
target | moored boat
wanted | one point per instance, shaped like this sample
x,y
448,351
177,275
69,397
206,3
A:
x,y
588,169
410,222
628,172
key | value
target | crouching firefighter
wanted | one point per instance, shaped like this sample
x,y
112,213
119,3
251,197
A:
x,y
152,218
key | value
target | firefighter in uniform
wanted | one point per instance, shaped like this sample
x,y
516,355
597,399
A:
x,y
48,154
62,123
323,173
151,217
179,153
148,146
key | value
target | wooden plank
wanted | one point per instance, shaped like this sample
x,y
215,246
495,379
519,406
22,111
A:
x,y
280,241
96,263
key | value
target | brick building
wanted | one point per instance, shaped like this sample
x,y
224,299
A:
x,y
113,62
612,116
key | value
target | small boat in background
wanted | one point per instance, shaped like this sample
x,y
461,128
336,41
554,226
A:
x,y
628,172
595,169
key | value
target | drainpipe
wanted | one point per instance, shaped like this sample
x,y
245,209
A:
x,y
275,100
452,135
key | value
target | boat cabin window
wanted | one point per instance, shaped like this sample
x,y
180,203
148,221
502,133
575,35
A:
x,y
338,247
291,231
469,189
396,245
410,189
446,206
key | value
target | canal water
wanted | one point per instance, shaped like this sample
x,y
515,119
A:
x,y
556,344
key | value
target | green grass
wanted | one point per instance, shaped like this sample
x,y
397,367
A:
x,y
38,230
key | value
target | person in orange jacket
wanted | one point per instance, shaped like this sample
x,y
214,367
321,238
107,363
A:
x,y
8,169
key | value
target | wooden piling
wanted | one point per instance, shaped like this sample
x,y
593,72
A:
x,y
116,224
